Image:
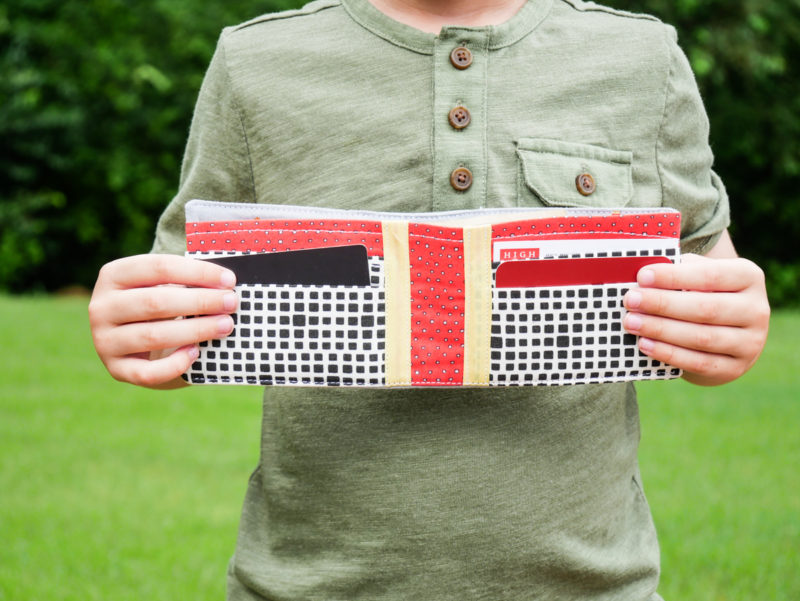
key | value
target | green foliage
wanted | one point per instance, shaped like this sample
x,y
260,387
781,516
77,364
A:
x,y
95,102
96,97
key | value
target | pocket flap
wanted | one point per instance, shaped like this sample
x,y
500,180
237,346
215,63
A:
x,y
575,175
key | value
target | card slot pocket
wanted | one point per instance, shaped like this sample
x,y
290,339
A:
x,y
333,266
571,272
300,335
553,335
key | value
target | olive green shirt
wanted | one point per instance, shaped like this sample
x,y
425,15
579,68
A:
x,y
501,494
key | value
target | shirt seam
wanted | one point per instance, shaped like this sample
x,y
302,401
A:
x,y
491,31
307,11
432,129
240,114
385,35
485,138
596,8
662,124
524,33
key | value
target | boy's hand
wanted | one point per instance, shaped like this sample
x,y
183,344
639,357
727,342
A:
x,y
135,309
708,316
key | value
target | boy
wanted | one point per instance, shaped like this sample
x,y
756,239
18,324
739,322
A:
x,y
424,105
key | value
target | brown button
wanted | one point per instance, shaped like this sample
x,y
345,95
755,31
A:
x,y
459,117
461,179
461,57
585,184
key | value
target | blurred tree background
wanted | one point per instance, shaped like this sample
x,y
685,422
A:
x,y
96,98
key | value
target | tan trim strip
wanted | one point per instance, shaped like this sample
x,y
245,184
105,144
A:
x,y
478,305
397,277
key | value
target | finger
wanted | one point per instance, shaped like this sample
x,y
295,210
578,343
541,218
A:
x,y
153,374
167,302
705,368
701,274
153,270
718,308
720,340
144,337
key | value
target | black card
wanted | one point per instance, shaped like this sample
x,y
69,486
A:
x,y
334,266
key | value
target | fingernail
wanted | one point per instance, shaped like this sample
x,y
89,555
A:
x,y
229,302
633,299
646,345
647,277
193,352
225,325
633,322
228,279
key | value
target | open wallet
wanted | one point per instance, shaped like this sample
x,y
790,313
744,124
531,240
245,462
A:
x,y
487,297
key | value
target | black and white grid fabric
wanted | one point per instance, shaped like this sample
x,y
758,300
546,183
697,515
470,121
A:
x,y
567,334
302,335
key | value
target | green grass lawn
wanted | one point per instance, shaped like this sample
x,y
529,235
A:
x,y
111,492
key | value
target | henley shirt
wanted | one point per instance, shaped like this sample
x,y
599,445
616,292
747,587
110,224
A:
x,y
459,494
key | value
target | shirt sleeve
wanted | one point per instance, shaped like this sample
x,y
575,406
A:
x,y
684,159
216,163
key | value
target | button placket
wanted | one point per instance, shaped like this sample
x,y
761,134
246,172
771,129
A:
x,y
461,57
459,138
459,117
461,179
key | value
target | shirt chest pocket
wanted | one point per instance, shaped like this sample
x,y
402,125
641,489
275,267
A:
x,y
567,174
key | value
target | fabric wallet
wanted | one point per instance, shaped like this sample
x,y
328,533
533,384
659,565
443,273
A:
x,y
489,297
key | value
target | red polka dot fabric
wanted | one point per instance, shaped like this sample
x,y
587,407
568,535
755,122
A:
x,y
652,225
262,236
436,258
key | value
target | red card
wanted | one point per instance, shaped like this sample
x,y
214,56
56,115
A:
x,y
571,272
